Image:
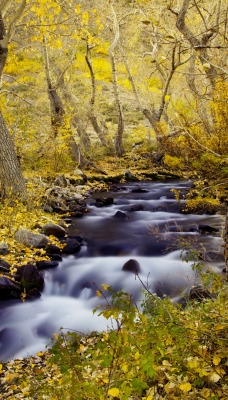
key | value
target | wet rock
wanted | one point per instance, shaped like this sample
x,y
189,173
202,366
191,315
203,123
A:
x,y
4,248
9,289
76,237
129,176
199,293
54,230
77,214
71,246
52,249
131,266
120,215
46,264
135,207
139,190
30,239
55,257
30,277
162,289
33,294
104,201
114,188
204,229
211,256
4,266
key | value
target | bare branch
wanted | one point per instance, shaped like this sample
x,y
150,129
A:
x,y
12,25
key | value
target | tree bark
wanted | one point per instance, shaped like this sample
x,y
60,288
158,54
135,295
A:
x,y
99,128
120,129
198,43
12,182
57,111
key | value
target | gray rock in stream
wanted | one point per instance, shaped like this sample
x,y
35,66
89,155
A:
x,y
30,239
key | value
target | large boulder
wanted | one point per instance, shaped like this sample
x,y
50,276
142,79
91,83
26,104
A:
x,y
54,230
132,266
9,289
30,278
30,239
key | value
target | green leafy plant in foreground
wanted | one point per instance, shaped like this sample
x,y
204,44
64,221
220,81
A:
x,y
162,352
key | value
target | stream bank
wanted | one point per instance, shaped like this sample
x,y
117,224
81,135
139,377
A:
x,y
141,226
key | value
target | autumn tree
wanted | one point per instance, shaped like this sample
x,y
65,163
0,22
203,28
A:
x,y
11,179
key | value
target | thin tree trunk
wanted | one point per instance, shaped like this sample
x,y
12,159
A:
x,y
120,129
197,42
58,112
101,131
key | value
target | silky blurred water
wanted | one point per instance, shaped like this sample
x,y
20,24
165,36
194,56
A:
x,y
151,236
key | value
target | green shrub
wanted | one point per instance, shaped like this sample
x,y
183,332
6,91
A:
x,y
162,352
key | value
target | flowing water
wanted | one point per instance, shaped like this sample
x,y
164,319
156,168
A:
x,y
151,236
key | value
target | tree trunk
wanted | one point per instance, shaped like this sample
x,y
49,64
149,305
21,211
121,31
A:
x,y
100,129
11,178
120,129
57,110
198,42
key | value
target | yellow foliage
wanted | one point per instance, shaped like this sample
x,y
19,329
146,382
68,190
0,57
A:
x,y
185,387
114,392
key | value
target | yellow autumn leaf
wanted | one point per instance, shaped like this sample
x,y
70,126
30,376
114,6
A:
x,y
205,393
105,286
114,392
137,356
214,377
216,360
0,368
218,327
124,367
98,293
185,387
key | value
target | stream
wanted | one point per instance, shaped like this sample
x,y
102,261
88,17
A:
x,y
149,230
